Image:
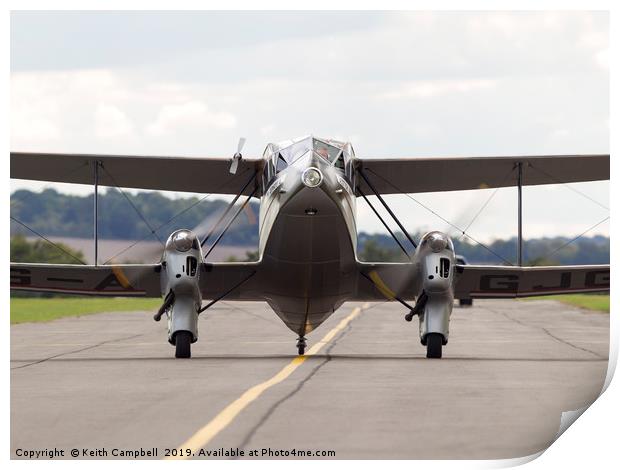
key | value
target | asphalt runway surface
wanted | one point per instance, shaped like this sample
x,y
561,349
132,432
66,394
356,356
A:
x,y
110,381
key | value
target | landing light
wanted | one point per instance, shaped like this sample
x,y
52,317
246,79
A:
x,y
312,177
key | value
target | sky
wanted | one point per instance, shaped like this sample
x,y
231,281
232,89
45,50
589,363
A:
x,y
395,84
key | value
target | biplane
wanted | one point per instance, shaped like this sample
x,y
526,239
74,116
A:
x,y
307,263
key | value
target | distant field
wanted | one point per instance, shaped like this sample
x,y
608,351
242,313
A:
x,y
590,301
41,310
146,251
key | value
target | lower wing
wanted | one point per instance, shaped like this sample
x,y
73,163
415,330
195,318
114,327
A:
x,y
122,280
510,282
386,281
238,280
377,281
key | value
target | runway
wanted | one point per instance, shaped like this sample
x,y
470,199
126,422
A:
x,y
109,381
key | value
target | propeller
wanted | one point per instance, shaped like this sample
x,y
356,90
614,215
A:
x,y
237,156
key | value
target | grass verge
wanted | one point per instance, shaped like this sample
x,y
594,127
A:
x,y
46,309
599,303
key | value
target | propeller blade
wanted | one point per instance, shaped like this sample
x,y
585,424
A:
x,y
237,156
234,164
241,144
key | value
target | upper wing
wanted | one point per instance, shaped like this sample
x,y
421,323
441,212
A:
x,y
419,175
198,175
509,281
141,280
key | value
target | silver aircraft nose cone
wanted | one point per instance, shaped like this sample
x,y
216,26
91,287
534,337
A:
x,y
183,240
438,242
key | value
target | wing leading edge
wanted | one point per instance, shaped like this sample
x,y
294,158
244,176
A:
x,y
431,174
198,175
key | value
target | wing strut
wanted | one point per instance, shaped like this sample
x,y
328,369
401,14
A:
x,y
520,215
384,223
245,203
96,210
230,206
394,296
220,297
387,208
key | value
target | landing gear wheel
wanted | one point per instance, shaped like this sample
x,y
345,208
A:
x,y
183,345
301,345
434,343
466,302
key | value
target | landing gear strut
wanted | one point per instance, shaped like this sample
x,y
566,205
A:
x,y
418,307
301,345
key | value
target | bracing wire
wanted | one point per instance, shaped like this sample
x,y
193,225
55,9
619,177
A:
x,y
171,219
153,231
557,181
486,203
48,240
463,232
576,238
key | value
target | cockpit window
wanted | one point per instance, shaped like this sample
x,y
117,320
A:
x,y
339,162
326,150
295,150
281,163
286,153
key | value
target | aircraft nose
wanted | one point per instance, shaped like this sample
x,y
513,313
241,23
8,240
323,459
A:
x,y
314,170
310,174
308,187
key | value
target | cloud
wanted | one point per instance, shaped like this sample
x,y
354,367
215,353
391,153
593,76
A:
x,y
267,129
26,127
601,58
191,115
110,121
433,88
86,111
405,84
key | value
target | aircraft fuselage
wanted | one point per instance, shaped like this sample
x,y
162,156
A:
x,y
308,243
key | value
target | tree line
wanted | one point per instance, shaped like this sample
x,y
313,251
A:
x,y
537,251
133,217
124,216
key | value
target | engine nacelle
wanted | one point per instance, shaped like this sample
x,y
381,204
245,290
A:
x,y
436,261
181,265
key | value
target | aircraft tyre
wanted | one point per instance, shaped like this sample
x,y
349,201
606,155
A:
x,y
301,345
434,344
183,345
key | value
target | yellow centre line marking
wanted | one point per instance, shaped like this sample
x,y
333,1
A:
x,y
204,435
